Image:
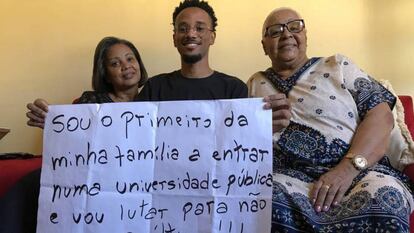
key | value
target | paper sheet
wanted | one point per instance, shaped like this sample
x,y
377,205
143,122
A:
x,y
177,166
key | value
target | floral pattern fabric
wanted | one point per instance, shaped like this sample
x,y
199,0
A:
x,y
330,97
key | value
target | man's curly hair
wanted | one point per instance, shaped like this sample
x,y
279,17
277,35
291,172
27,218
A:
x,y
196,3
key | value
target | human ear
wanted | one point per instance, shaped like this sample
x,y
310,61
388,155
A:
x,y
175,43
212,38
264,48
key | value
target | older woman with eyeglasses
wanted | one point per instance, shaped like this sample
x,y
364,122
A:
x,y
330,171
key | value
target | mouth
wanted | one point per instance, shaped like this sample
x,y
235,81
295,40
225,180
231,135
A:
x,y
286,46
191,44
129,75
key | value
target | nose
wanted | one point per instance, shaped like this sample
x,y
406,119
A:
x,y
192,32
125,65
286,33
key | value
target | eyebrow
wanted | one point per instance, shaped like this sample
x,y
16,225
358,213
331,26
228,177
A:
x,y
117,57
197,23
287,21
128,53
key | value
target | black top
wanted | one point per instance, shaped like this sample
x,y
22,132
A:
x,y
174,86
93,97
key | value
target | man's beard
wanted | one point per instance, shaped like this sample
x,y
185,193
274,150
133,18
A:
x,y
191,59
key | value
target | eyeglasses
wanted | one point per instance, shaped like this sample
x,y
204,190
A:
x,y
200,29
276,30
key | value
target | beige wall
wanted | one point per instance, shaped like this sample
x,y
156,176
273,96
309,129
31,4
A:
x,y
47,46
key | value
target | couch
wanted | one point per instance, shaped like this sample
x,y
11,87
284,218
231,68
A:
x,y
407,102
11,170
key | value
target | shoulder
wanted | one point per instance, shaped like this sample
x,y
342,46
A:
x,y
93,97
338,62
89,93
233,86
162,77
153,87
86,95
228,78
258,76
256,79
338,59
219,74
259,86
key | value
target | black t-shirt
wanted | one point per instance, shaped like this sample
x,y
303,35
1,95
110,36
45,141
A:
x,y
174,86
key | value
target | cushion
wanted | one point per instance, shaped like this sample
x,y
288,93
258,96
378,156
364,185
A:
x,y
11,170
401,148
407,102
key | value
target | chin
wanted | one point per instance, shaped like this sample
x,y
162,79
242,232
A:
x,y
191,58
132,82
288,57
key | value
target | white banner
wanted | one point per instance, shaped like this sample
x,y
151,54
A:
x,y
177,166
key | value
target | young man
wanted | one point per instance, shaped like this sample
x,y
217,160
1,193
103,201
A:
x,y
194,24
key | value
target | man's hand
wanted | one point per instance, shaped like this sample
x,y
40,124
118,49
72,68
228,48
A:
x,y
281,111
37,113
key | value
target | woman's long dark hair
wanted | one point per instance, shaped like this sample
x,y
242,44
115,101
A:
x,y
99,76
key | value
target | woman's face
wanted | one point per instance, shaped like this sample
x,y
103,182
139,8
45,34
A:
x,y
289,48
122,67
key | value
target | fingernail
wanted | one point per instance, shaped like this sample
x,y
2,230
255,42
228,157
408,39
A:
x,y
318,209
326,208
335,203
